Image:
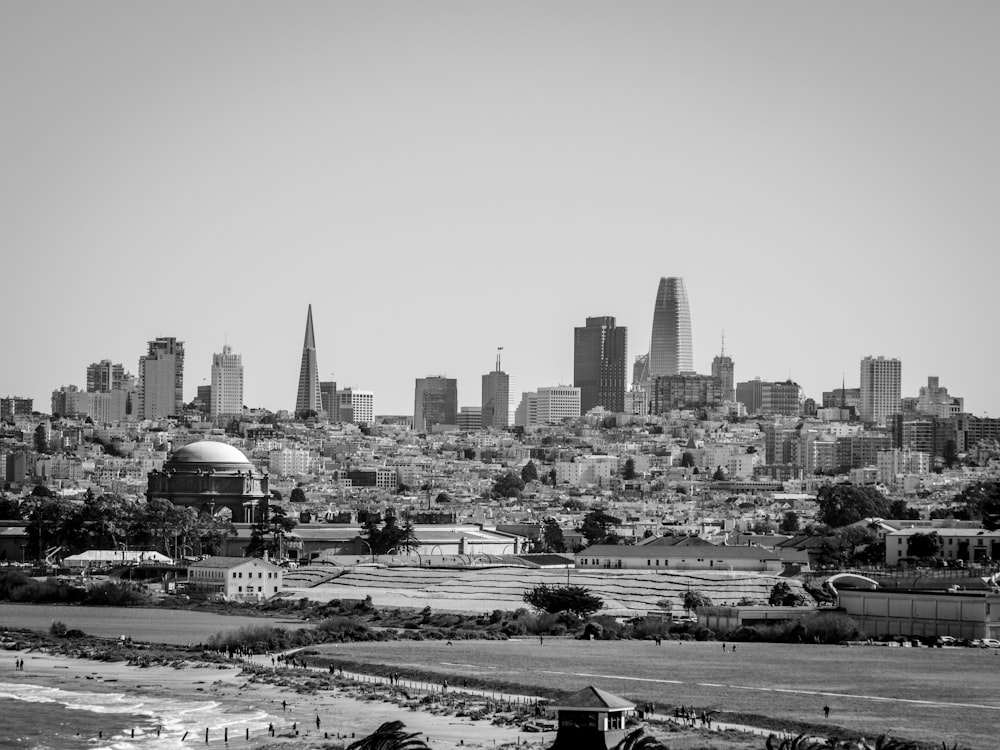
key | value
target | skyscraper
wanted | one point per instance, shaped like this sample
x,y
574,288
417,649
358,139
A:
x,y
880,389
435,401
328,397
161,379
308,397
722,368
103,376
599,370
496,398
226,396
670,346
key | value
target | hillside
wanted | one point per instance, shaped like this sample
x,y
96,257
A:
x,y
625,592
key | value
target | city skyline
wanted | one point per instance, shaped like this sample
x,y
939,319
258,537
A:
x,y
820,176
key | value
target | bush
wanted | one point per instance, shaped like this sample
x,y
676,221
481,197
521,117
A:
x,y
116,594
57,628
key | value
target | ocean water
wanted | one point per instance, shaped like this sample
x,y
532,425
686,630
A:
x,y
36,717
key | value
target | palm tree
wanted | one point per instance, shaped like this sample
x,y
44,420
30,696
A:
x,y
636,740
390,736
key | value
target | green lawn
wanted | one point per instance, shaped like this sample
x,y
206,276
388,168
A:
x,y
938,695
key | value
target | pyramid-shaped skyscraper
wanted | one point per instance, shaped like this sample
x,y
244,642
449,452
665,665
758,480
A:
x,y
308,397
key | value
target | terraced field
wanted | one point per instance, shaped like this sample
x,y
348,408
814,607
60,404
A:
x,y
625,592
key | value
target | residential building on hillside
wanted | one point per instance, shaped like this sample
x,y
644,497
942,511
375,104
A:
x,y
104,376
161,379
880,389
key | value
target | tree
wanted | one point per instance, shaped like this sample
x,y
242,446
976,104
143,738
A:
x,y
529,472
783,596
687,460
384,535
789,522
923,546
844,504
41,441
719,475
576,600
899,509
507,485
552,536
298,495
628,471
596,525
979,502
390,736
695,599
949,453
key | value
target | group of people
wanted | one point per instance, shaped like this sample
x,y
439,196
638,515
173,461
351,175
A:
x,y
18,665
394,678
688,715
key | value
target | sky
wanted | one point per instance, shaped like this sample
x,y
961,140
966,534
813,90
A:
x,y
439,179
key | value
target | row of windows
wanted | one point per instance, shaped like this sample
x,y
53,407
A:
x,y
260,574
260,590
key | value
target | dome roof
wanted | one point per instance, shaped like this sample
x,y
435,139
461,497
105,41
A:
x,y
209,452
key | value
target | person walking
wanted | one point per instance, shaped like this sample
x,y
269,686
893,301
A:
x,y
826,712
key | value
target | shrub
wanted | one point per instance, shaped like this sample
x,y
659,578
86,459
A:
x,y
57,628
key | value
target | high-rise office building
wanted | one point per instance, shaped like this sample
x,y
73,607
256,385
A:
x,y
356,407
599,370
670,351
308,398
551,405
880,389
161,379
722,368
435,401
328,398
104,376
226,397
640,371
470,419
766,397
496,398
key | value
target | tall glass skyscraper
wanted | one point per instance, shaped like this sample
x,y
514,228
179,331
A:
x,y
670,346
308,397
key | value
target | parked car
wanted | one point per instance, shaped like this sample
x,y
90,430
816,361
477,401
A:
x,y
989,643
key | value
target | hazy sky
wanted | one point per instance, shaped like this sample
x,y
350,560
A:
x,y
439,179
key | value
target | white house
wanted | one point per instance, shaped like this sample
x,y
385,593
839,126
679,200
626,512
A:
x,y
238,578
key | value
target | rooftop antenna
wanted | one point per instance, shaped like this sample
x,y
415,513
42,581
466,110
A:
x,y
499,349
843,391
723,342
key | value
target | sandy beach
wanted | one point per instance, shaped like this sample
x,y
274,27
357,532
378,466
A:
x,y
243,705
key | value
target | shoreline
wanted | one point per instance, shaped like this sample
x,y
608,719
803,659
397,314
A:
x,y
347,710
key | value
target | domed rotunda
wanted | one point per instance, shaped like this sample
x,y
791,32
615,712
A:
x,y
207,476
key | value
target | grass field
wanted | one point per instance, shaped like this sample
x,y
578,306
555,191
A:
x,y
935,695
